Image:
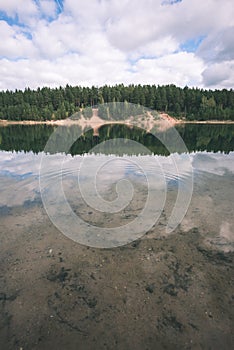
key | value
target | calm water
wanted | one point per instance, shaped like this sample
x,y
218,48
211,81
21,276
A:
x,y
171,286
203,175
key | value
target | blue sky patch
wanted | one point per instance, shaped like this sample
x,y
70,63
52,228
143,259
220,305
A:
x,y
170,2
12,21
59,6
15,21
192,45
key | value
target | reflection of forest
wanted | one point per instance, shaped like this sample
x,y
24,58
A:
x,y
196,137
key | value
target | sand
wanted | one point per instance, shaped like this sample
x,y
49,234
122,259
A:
x,y
165,121
160,292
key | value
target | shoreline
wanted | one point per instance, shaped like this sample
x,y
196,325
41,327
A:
x,y
97,121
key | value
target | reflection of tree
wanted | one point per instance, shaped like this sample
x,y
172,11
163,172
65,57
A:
x,y
212,138
25,137
196,137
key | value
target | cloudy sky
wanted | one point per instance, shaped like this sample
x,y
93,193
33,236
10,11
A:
x,y
96,42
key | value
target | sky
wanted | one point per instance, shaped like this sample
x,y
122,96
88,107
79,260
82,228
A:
x,y
96,42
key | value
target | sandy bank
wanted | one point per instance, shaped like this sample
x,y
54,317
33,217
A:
x,y
96,121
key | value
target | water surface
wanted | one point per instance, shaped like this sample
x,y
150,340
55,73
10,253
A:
x,y
161,289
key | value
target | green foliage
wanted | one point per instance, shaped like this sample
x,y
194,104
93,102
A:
x,y
87,113
103,111
47,103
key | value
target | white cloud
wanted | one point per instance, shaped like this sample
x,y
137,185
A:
x,y
48,7
219,46
219,75
110,41
24,9
48,38
14,43
178,68
155,49
150,21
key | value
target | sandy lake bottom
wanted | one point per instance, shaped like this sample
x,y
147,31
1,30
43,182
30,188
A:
x,y
161,291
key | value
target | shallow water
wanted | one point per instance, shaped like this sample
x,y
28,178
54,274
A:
x,y
114,187
164,273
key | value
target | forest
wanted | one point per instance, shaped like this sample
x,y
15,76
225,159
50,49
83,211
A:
x,y
60,103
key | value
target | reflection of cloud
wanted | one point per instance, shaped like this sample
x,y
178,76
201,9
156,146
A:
x,y
19,163
19,171
15,191
214,163
19,178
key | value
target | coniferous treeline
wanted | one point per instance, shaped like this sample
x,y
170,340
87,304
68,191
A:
x,y
59,103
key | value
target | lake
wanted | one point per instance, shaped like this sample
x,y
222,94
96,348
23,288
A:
x,y
116,238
